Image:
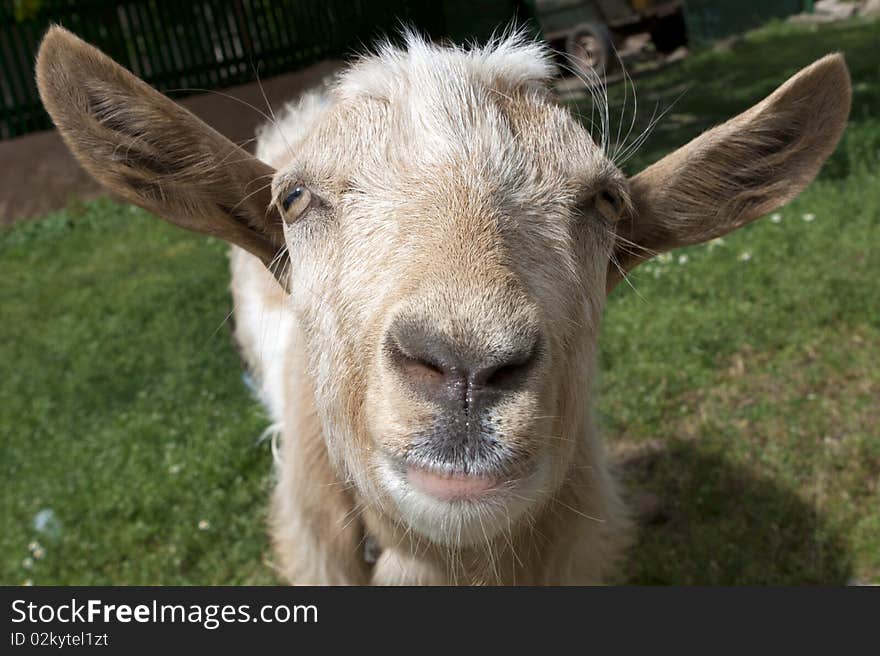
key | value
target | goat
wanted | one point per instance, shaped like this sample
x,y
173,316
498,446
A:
x,y
432,239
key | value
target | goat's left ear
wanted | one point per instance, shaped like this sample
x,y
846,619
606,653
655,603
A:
x,y
152,151
738,171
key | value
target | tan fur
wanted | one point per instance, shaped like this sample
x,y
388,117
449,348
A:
x,y
448,187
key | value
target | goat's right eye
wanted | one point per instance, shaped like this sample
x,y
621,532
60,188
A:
x,y
609,205
295,203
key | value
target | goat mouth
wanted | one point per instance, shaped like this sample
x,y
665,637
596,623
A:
x,y
446,486
462,483
461,504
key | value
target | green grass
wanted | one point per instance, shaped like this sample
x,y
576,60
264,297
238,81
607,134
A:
x,y
741,392
122,407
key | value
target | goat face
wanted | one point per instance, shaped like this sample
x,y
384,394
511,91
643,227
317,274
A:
x,y
450,237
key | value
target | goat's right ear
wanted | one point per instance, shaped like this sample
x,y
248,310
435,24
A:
x,y
737,171
152,151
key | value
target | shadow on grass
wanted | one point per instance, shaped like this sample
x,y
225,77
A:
x,y
718,523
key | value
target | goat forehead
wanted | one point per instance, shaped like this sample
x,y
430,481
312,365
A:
x,y
432,145
518,151
474,176
487,107
454,219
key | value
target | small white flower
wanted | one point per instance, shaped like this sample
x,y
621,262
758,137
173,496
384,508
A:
x,y
776,217
745,256
682,259
809,217
715,243
33,546
204,525
39,552
664,258
174,469
28,563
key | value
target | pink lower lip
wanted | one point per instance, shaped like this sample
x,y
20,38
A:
x,y
448,487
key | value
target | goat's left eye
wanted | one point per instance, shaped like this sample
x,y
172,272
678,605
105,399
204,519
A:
x,y
295,203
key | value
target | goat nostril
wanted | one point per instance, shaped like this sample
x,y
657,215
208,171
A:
x,y
503,374
420,369
416,368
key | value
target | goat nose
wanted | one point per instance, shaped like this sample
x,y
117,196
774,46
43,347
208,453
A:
x,y
455,374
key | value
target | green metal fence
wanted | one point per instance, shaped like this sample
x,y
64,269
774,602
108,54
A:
x,y
206,44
